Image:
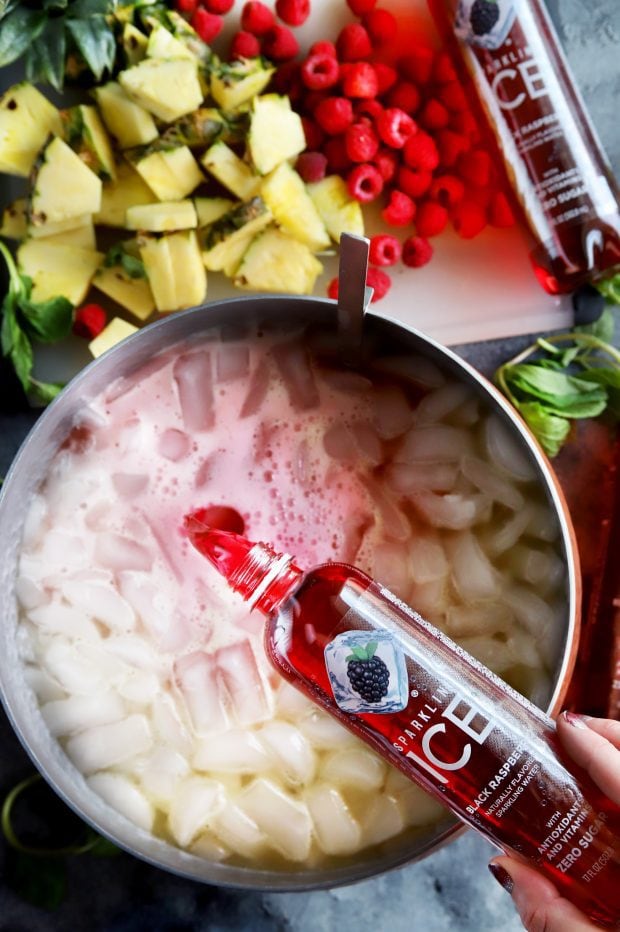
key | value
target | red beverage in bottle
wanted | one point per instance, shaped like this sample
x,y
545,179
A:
x,y
558,171
433,711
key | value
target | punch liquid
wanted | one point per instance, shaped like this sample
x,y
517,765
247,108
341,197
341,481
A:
x,y
433,711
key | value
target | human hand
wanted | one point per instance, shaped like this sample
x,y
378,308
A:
x,y
594,744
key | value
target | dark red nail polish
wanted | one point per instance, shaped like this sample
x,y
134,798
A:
x,y
502,876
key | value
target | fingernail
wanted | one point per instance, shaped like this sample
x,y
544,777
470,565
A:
x,y
577,721
502,876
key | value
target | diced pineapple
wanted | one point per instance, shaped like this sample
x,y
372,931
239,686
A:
x,y
286,197
276,262
117,330
118,196
57,269
175,270
210,209
15,219
162,217
197,129
85,133
47,230
134,294
228,238
233,84
155,254
129,123
167,89
134,44
162,44
337,209
82,236
172,174
182,31
26,120
62,186
236,175
276,132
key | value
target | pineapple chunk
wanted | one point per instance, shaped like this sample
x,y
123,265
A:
x,y
57,269
117,330
129,190
15,219
155,254
130,124
63,186
46,230
276,262
26,120
286,197
171,175
162,44
276,132
85,133
228,238
134,294
134,44
221,162
337,209
236,83
210,209
175,270
161,217
167,89
82,236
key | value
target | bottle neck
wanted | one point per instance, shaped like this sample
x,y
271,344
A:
x,y
265,579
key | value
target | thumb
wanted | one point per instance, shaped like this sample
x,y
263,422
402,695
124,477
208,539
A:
x,y
540,906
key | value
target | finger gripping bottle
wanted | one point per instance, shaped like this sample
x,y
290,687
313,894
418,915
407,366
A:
x,y
558,171
432,710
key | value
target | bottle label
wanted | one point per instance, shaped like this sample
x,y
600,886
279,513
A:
x,y
485,23
367,672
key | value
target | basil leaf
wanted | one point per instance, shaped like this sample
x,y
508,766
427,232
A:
x,y
95,40
579,408
16,345
610,379
18,30
49,320
550,431
45,391
50,52
552,386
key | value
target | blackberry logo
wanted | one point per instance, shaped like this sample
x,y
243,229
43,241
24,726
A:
x,y
367,673
483,16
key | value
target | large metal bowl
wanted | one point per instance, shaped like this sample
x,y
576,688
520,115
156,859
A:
x,y
28,471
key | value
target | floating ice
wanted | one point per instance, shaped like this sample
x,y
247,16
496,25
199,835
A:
x,y
485,478
234,751
392,414
433,477
154,607
295,759
478,618
194,381
232,361
46,688
441,402
355,767
339,443
337,832
168,724
472,571
414,368
106,745
130,484
367,442
139,687
284,821
294,365
76,713
324,732
238,831
30,594
100,602
503,450
174,445
57,617
121,553
382,820
451,511
436,443
161,774
250,695
391,567
291,702
124,796
257,389
195,805
428,559
195,676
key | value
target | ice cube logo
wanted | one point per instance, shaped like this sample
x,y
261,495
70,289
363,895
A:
x,y
367,672
485,23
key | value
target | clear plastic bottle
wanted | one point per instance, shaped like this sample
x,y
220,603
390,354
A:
x,y
559,174
433,711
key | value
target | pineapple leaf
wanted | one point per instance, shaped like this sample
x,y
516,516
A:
x,y
371,649
132,266
18,29
95,40
46,61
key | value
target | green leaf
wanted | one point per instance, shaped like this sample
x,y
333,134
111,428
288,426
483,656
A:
x,y
16,345
18,30
49,320
40,881
610,379
549,385
45,391
95,40
603,328
550,431
359,652
50,52
130,264
610,289
371,649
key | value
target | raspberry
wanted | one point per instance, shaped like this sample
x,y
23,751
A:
x,y
386,77
218,6
353,43
313,133
417,65
400,209
280,44
430,219
384,250
405,96
320,71
451,146
89,321
381,26
364,183
465,123
421,152
475,167
368,108
244,45
361,142
379,281
395,127
293,12
386,161
334,115
332,289
337,157
257,18
207,25
468,218
186,6
417,251
453,97
447,190
433,115
500,211
287,80
360,7
360,80
322,47
443,69
413,182
312,166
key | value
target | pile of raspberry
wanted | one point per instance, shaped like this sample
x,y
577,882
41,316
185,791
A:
x,y
260,33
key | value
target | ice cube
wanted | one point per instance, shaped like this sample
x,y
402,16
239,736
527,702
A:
x,y
501,653
135,651
208,847
485,478
543,523
414,368
35,523
257,389
392,414
416,806
541,568
107,745
130,484
232,361
367,442
169,725
295,759
139,687
294,366
76,713
508,533
323,732
196,803
238,831
154,607
45,687
430,599
57,617
435,443
337,832
123,795
291,703
285,822
343,380
121,553
30,594
472,572
63,551
478,618
395,525
530,610
234,751
161,774
391,567
174,445
437,404
354,767
381,820
195,676
452,511
433,477
338,442
250,695
193,378
100,602
428,559
504,450
70,667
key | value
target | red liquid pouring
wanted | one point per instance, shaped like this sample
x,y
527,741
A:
x,y
433,711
